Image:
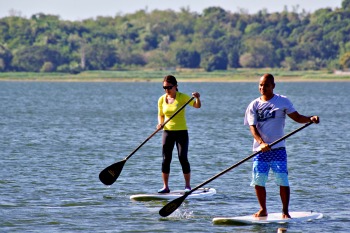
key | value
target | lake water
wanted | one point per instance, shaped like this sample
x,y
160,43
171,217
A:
x,y
57,137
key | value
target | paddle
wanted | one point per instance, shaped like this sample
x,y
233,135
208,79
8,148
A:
x,y
174,204
110,174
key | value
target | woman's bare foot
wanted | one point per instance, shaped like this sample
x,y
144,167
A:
x,y
260,213
286,215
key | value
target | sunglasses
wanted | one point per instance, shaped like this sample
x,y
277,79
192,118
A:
x,y
167,87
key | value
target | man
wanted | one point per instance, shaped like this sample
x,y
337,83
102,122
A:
x,y
266,119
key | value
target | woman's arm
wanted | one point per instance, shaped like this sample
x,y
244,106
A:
x,y
160,121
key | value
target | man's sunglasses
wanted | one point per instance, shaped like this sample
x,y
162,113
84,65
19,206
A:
x,y
167,87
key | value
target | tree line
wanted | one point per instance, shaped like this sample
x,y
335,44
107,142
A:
x,y
215,39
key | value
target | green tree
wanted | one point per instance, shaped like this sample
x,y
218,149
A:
x,y
149,41
100,56
160,59
247,60
6,58
289,64
345,4
262,52
215,62
33,58
188,59
154,39
47,67
233,58
253,29
345,61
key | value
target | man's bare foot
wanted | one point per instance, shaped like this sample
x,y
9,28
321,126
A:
x,y
286,215
260,213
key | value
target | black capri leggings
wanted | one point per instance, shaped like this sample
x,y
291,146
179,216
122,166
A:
x,y
181,139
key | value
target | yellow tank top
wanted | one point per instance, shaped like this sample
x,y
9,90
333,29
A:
x,y
167,110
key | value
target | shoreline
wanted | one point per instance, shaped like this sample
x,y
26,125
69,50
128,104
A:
x,y
239,75
189,80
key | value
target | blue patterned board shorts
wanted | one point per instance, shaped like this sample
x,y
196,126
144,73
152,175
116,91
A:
x,y
276,160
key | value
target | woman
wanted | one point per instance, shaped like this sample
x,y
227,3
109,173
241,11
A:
x,y
175,131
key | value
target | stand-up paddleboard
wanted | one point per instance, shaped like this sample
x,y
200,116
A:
x,y
271,218
197,194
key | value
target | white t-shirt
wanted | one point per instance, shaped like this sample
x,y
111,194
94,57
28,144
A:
x,y
269,118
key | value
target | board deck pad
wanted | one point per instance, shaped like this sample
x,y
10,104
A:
x,y
271,218
197,194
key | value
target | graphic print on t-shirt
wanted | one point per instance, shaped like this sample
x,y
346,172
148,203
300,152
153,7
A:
x,y
264,114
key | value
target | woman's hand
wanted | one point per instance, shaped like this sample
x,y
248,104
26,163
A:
x,y
197,103
196,95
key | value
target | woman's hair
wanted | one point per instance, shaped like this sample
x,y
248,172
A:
x,y
170,79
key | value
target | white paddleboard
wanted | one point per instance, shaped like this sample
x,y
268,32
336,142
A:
x,y
271,218
197,194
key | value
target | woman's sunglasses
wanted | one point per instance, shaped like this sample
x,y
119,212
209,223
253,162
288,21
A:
x,y
167,87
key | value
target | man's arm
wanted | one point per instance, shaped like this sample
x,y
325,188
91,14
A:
x,y
303,119
263,146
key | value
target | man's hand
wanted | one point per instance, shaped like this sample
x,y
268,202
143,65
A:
x,y
264,147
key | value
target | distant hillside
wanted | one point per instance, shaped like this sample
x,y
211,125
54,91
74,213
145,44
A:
x,y
213,40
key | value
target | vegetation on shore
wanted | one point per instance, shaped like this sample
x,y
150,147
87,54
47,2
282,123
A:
x,y
242,75
213,40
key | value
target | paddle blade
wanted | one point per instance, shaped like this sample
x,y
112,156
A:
x,y
110,174
171,206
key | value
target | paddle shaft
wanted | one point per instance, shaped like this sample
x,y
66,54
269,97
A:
x,y
174,204
249,157
175,113
110,174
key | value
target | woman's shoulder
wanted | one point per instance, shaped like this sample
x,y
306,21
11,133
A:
x,y
182,95
161,98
